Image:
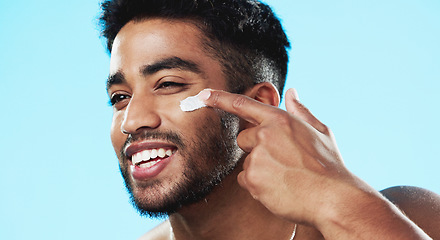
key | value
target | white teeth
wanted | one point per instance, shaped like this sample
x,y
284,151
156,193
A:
x,y
161,152
149,164
146,155
136,158
169,152
153,153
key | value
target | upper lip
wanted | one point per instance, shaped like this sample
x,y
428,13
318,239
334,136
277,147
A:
x,y
140,146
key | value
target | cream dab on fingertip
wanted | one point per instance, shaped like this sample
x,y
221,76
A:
x,y
192,103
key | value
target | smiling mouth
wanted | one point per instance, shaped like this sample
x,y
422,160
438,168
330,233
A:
x,y
150,157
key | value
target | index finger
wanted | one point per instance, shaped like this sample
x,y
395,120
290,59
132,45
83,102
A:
x,y
243,106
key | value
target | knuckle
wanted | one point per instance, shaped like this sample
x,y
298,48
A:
x,y
263,134
256,153
241,178
252,178
259,156
239,101
215,98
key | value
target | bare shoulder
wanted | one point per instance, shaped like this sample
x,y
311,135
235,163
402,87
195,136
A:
x,y
161,232
420,205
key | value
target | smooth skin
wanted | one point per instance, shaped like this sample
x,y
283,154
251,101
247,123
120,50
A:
x,y
292,172
150,102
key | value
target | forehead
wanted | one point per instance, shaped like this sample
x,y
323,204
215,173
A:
x,y
146,41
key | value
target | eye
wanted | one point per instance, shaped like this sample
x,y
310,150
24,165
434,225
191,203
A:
x,y
169,84
117,98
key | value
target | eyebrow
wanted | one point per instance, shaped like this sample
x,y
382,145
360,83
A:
x,y
117,78
170,63
167,63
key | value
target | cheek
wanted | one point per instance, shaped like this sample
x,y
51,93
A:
x,y
187,124
172,115
184,120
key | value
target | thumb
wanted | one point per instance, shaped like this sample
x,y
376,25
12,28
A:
x,y
293,106
291,98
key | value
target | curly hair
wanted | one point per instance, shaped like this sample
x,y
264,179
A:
x,y
244,35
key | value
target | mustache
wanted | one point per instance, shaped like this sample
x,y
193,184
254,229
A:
x,y
169,136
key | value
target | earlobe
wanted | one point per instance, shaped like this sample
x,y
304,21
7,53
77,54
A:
x,y
266,93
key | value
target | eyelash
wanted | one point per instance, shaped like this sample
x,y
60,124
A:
x,y
117,98
170,84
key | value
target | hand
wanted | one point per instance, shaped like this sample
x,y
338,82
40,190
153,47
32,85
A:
x,y
295,170
292,158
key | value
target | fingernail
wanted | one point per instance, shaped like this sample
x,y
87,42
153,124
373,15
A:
x,y
295,94
204,94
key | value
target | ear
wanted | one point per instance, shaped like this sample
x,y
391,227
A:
x,y
264,92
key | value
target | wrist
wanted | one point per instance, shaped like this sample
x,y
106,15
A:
x,y
360,212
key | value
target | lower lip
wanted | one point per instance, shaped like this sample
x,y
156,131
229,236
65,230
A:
x,y
143,174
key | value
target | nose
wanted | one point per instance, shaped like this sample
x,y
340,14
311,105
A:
x,y
140,114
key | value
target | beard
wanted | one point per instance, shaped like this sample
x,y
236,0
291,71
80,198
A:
x,y
208,159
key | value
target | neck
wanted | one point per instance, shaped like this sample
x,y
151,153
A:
x,y
229,212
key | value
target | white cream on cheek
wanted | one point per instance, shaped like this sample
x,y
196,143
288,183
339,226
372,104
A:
x,y
191,103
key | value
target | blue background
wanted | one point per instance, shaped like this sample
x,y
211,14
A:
x,y
368,69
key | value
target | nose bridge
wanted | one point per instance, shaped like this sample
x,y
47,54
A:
x,y
140,113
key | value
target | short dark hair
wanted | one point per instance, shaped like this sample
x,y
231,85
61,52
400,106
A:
x,y
244,35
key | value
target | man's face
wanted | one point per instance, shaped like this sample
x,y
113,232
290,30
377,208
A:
x,y
168,157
